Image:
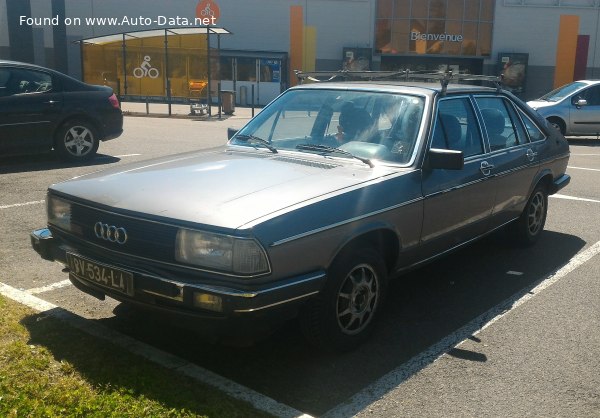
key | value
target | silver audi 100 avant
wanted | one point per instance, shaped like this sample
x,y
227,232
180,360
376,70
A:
x,y
310,209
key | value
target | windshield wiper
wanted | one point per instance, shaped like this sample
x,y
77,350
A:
x,y
252,138
328,150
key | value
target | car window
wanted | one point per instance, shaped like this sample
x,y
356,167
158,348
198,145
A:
x,y
499,126
520,137
373,125
562,92
535,133
456,127
590,95
24,81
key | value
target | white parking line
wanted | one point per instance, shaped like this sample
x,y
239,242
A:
x,y
164,359
581,199
583,168
126,155
53,286
395,378
16,205
586,155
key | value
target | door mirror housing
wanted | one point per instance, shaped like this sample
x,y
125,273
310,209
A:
x,y
231,132
580,102
445,159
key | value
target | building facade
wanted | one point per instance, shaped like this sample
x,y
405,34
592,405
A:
x,y
537,44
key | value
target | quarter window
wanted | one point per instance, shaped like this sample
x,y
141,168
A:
x,y
456,127
535,134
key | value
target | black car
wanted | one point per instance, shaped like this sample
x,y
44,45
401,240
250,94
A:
x,y
42,109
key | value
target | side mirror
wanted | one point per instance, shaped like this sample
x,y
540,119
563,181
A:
x,y
231,132
580,102
445,159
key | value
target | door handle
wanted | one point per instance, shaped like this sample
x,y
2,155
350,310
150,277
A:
x,y
486,168
51,102
531,155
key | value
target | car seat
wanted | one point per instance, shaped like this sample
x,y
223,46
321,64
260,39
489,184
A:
x,y
494,124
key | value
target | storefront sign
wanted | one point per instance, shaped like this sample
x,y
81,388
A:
x,y
417,36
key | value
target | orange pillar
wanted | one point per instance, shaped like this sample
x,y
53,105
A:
x,y
566,49
296,41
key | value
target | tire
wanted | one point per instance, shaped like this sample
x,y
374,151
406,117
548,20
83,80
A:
x,y
76,140
344,314
527,229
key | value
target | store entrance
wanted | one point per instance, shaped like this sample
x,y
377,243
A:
x,y
261,73
417,63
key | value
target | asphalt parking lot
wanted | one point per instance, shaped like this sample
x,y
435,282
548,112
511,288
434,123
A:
x,y
519,327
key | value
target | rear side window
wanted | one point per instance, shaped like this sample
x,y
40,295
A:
x,y
456,127
501,124
24,81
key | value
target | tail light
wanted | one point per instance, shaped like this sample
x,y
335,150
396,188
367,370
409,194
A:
x,y
114,101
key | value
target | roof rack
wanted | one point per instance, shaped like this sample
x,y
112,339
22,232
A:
x,y
444,77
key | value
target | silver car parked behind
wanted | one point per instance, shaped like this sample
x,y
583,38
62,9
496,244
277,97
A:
x,y
574,109
310,209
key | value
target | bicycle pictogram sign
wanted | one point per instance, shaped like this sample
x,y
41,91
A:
x,y
208,9
145,69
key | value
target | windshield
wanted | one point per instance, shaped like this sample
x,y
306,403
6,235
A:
x,y
348,124
562,92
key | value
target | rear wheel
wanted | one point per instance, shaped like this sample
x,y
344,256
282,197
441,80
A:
x,y
344,313
76,140
528,228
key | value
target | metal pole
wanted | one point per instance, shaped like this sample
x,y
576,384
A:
x,y
124,48
252,100
167,79
220,100
209,98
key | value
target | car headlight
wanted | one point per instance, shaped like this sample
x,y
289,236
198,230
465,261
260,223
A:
x,y
220,252
59,212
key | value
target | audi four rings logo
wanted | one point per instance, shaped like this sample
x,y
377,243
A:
x,y
110,233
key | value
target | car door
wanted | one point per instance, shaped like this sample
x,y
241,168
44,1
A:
x,y
513,156
458,203
30,104
585,120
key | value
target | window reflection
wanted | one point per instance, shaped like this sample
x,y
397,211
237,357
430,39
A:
x,y
453,27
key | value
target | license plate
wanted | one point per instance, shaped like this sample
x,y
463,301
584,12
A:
x,y
101,274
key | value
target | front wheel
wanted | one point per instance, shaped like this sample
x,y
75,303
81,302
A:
x,y
76,140
528,228
344,313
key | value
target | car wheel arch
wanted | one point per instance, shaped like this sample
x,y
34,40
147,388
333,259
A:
x,y
78,117
383,239
544,177
557,121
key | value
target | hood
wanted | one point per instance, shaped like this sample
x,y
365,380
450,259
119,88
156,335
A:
x,y
225,188
537,104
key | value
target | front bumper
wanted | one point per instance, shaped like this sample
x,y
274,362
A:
x,y
174,296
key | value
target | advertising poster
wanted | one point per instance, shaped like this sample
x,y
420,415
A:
x,y
513,67
357,59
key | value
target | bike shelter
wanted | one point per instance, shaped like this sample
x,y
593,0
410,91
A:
x,y
171,65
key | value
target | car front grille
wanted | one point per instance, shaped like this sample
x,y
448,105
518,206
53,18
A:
x,y
145,238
